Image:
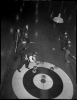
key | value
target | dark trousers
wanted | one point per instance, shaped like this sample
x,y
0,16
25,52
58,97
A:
x,y
62,46
20,49
26,62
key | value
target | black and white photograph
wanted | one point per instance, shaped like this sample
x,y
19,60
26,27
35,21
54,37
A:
x,y
38,49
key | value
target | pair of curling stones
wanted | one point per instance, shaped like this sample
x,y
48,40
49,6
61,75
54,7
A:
x,y
34,69
43,78
55,67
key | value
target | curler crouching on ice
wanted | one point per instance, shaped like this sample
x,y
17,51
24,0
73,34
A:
x,y
28,58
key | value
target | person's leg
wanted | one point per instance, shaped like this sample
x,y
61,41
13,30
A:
x,y
16,55
62,46
20,66
27,64
66,58
19,50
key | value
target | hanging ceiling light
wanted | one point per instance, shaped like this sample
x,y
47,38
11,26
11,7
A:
x,y
58,19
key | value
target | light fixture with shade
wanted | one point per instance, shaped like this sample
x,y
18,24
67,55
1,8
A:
x,y
58,19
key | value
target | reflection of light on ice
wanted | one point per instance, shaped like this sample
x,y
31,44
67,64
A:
x,y
65,33
69,41
36,34
36,5
11,30
64,10
36,20
36,12
23,4
69,45
20,9
51,14
17,17
2,54
66,36
59,38
70,18
53,48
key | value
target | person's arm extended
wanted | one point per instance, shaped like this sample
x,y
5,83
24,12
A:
x,y
28,41
36,62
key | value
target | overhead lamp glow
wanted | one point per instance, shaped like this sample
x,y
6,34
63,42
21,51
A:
x,y
58,19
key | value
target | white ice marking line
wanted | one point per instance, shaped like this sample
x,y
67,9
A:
x,y
44,86
48,85
38,84
21,93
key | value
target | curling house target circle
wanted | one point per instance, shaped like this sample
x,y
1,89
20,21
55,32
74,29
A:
x,y
25,85
41,83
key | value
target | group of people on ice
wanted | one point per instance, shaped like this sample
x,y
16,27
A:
x,y
22,42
